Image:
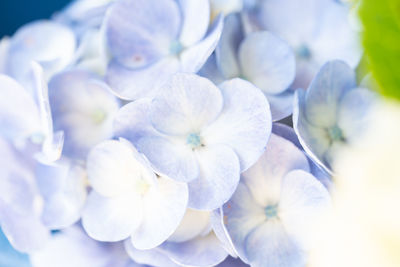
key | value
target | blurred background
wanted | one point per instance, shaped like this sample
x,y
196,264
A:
x,y
15,13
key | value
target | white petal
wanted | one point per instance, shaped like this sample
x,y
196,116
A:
x,y
193,224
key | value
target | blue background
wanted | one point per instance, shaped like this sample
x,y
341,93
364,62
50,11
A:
x,y
15,13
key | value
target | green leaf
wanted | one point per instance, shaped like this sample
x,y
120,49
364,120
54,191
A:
x,y
381,40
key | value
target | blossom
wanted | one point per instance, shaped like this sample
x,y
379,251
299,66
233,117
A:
x,y
163,38
83,107
324,33
259,57
207,148
332,112
270,218
128,199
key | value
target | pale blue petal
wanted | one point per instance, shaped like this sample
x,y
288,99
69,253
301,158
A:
x,y
163,209
244,124
19,115
322,97
63,188
193,58
286,132
269,245
268,62
314,140
304,201
83,107
193,224
140,32
196,17
134,84
132,121
152,257
72,247
201,251
264,178
115,168
111,219
281,104
49,43
218,226
174,159
228,47
180,107
241,215
218,178
211,71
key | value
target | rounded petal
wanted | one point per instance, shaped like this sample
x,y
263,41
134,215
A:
x,y
63,188
196,17
174,159
269,246
112,218
49,43
19,115
115,168
179,109
227,51
152,257
193,224
304,200
201,251
268,62
244,123
142,39
241,215
193,58
322,97
83,107
218,179
281,104
163,209
131,84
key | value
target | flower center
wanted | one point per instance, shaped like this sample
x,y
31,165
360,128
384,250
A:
x,y
175,48
193,140
271,211
98,116
336,134
303,52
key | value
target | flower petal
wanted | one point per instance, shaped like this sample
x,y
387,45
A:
x,y
228,47
326,90
264,178
194,223
201,251
196,17
112,218
268,62
176,160
218,179
244,124
304,200
19,115
179,109
269,245
193,58
130,84
142,39
281,104
163,209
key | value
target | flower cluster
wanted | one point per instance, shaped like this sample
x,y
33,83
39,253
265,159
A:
x,y
145,132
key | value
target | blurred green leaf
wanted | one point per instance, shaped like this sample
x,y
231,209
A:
x,y
381,40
